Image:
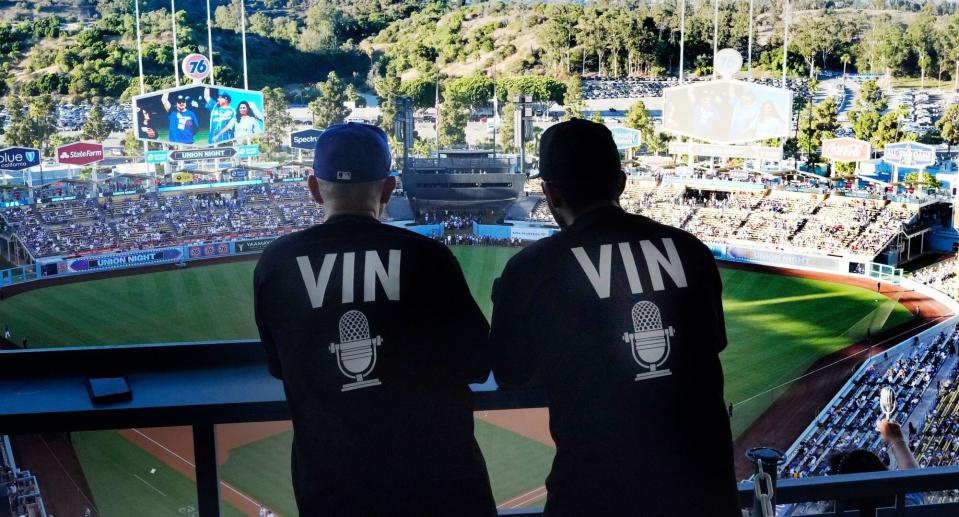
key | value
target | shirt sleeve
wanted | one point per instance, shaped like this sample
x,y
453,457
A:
x,y
714,305
464,328
514,353
272,356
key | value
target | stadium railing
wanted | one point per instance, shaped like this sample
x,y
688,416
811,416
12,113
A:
x,y
209,383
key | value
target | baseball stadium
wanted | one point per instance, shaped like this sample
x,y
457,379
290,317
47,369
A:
x,y
122,259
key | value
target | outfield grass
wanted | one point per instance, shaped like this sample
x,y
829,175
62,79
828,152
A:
x,y
777,327
118,473
516,465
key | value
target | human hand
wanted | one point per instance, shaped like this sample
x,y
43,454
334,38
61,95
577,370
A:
x,y
890,431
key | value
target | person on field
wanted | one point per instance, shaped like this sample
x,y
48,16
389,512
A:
x,y
621,319
376,337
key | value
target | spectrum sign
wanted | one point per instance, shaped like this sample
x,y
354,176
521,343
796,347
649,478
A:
x,y
79,153
305,139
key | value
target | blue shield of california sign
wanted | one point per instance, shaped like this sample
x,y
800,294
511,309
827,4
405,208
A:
x,y
18,158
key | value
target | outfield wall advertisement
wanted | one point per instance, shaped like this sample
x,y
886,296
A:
x,y
252,245
219,249
785,259
123,260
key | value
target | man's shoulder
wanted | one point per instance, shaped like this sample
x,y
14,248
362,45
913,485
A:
x,y
387,234
654,229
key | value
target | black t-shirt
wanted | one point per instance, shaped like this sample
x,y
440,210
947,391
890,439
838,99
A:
x,y
621,319
376,336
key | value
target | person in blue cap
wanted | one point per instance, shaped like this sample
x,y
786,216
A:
x,y
376,337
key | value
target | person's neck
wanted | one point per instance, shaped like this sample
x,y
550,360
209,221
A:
x,y
356,212
571,217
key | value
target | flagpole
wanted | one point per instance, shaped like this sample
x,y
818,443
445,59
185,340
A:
x,y
246,83
209,38
749,45
715,35
785,39
176,56
682,36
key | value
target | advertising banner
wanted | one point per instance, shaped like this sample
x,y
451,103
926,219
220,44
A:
x,y
157,156
80,153
727,111
846,149
124,260
626,138
196,66
198,115
757,152
305,139
182,177
253,245
217,153
782,258
219,249
909,154
249,151
19,158
531,233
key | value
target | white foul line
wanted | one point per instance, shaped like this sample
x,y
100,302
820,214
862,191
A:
x,y
184,460
149,485
528,497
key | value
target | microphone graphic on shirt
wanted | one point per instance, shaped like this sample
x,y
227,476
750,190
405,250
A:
x,y
356,351
650,342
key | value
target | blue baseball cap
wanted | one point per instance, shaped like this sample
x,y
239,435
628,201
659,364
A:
x,y
352,153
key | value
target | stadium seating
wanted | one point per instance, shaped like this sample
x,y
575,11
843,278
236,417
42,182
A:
x,y
21,492
779,219
157,220
850,421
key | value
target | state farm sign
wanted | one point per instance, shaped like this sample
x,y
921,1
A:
x,y
846,150
79,153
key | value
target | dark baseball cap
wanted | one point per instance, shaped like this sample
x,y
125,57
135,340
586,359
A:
x,y
225,96
578,151
352,153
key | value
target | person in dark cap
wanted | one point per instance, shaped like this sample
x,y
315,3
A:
x,y
620,319
376,337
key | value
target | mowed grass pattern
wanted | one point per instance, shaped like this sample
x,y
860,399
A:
x,y
777,327
118,473
516,464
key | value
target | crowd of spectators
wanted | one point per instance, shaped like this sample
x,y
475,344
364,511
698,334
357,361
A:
x,y
831,224
157,220
942,276
20,489
850,421
469,239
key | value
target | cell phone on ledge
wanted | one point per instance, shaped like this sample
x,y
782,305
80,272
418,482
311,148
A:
x,y
105,390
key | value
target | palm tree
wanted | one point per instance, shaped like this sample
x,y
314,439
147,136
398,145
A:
x,y
845,58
